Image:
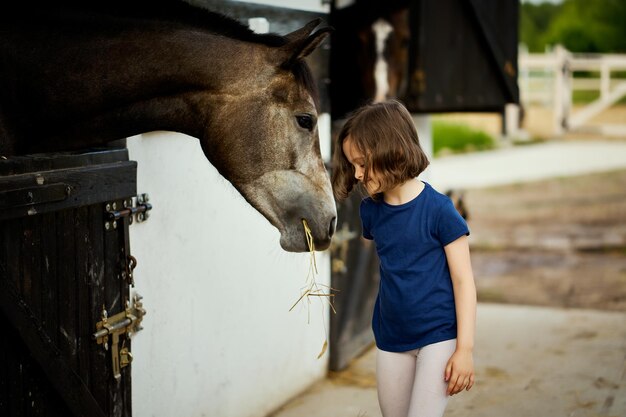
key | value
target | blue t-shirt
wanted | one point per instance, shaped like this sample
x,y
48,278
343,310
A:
x,y
415,304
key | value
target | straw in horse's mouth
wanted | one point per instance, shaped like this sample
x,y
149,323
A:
x,y
309,241
312,288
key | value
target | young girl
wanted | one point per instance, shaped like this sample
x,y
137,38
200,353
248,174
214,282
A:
x,y
425,312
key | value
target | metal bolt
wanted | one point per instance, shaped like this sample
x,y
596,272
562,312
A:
x,y
108,207
107,225
114,224
140,217
114,206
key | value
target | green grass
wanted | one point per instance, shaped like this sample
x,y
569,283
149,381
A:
x,y
587,96
458,138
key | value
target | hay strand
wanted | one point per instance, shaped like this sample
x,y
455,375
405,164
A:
x,y
312,288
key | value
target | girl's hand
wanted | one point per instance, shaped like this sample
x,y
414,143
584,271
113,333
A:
x,y
460,372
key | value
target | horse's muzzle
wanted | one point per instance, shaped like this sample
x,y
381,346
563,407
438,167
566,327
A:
x,y
322,241
286,198
331,229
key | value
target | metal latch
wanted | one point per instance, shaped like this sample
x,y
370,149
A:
x,y
139,207
125,322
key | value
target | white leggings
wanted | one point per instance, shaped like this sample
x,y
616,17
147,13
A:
x,y
411,384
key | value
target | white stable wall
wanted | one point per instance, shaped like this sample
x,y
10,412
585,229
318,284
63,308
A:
x,y
218,339
308,5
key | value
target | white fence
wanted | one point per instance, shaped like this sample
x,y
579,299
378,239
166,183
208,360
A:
x,y
550,79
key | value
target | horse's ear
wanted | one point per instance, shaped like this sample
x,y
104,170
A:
x,y
304,31
301,48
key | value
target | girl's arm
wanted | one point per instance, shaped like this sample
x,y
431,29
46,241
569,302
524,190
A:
x,y
460,367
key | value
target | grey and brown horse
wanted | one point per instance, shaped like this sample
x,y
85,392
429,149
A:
x,y
79,76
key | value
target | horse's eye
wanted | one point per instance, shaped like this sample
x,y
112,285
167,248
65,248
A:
x,y
305,121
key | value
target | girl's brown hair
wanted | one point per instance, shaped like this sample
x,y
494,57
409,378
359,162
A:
x,y
385,134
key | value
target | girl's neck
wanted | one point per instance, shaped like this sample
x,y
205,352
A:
x,y
404,192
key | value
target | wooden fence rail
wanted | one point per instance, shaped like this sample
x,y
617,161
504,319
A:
x,y
551,78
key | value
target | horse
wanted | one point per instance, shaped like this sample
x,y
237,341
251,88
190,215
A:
x,y
370,53
74,76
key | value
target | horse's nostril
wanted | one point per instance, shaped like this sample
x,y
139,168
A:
x,y
331,229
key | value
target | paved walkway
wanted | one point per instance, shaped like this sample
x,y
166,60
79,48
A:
x,y
530,361
526,163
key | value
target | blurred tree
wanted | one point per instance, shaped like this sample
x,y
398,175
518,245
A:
x,y
534,22
579,25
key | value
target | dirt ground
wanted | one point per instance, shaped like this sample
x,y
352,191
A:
x,y
558,243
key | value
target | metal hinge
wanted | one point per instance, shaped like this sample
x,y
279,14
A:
x,y
135,207
125,322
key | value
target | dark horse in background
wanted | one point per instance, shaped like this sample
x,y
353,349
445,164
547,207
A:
x,y
80,75
369,54
370,59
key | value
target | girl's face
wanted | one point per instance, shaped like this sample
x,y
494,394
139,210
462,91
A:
x,y
357,159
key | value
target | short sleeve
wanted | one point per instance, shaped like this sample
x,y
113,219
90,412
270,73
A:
x,y
365,224
450,224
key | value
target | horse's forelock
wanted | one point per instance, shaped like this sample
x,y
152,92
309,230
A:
x,y
304,77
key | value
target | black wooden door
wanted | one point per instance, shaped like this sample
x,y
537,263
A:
x,y
59,267
463,56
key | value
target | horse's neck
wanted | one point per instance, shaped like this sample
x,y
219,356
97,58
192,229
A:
x,y
192,60
155,80
190,70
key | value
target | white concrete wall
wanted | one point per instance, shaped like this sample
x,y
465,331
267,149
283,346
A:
x,y
309,5
218,338
424,126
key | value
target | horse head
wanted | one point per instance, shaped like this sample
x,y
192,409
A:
x,y
385,55
262,136
248,98
370,54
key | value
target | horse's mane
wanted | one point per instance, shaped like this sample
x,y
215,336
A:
x,y
182,10
185,12
167,11
176,12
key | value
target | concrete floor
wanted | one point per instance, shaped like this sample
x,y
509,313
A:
x,y
529,361
509,165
